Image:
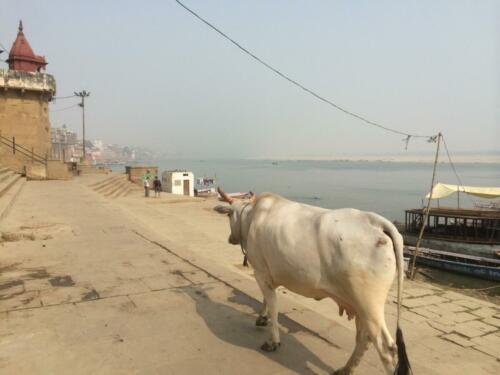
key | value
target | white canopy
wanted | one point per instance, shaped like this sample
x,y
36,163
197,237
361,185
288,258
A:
x,y
443,190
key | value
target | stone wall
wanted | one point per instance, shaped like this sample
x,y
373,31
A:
x,y
25,117
24,112
58,170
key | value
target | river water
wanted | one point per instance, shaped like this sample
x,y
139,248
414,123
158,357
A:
x,y
387,188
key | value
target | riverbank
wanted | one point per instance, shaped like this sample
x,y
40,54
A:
x,y
405,157
125,285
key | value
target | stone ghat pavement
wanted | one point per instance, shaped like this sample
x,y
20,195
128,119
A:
x,y
464,321
90,285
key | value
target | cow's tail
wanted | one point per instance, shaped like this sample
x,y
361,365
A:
x,y
403,366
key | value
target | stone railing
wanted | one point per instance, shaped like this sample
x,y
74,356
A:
x,y
32,81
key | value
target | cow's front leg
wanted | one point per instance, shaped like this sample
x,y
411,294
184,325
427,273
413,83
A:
x,y
270,299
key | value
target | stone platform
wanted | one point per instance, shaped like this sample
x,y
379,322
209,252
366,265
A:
x,y
133,285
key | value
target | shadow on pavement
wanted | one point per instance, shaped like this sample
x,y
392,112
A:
x,y
237,328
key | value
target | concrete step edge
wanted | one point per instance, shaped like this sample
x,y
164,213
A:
x,y
119,186
6,175
105,181
105,186
126,189
105,190
8,200
5,185
4,170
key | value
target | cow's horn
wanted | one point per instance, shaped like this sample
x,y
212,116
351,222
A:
x,y
252,197
224,196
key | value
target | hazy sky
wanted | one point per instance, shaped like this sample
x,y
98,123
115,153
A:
x,y
160,78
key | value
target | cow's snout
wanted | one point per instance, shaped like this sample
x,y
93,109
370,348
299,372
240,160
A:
x,y
233,240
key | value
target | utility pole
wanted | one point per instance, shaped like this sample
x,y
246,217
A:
x,y
83,94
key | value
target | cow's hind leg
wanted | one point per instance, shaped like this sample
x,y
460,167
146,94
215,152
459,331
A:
x,y
262,318
383,342
270,299
362,343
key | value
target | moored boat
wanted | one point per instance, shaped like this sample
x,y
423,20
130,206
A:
x,y
463,240
484,268
205,187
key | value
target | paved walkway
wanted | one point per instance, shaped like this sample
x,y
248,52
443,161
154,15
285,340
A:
x,y
92,285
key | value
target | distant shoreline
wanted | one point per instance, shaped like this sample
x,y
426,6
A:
x,y
459,159
463,159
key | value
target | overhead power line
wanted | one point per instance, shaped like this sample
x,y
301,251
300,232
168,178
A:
x,y
3,48
65,108
408,136
64,97
459,180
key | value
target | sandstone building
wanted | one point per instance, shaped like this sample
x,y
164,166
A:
x,y
25,92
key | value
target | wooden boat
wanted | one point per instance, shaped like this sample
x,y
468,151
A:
x,y
484,268
466,231
205,187
462,240
206,192
470,231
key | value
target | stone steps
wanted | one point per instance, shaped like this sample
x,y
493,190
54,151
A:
x,y
111,187
131,188
108,184
104,182
6,184
5,174
4,170
10,186
124,189
115,186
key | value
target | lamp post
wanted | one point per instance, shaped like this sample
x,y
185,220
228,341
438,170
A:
x,y
83,94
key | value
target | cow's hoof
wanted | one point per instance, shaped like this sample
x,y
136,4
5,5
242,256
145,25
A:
x,y
270,347
261,321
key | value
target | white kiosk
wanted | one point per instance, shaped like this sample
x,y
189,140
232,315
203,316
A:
x,y
178,182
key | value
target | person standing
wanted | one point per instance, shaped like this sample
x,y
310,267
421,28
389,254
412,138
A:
x,y
157,186
146,180
146,187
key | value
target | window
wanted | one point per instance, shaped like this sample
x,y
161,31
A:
x,y
177,182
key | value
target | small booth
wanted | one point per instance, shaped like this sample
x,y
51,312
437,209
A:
x,y
178,182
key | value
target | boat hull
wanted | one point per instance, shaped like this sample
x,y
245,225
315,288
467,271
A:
x,y
481,250
482,268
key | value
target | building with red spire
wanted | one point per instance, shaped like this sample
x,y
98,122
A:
x,y
22,57
25,93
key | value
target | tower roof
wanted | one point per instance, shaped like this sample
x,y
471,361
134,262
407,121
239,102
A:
x,y
22,57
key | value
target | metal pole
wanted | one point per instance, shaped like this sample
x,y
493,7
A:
x,y
425,212
83,94
83,123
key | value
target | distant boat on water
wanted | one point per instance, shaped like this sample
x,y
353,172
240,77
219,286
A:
x,y
205,187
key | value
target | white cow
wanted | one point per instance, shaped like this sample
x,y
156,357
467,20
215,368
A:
x,y
348,255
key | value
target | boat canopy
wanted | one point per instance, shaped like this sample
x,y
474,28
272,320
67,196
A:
x,y
443,190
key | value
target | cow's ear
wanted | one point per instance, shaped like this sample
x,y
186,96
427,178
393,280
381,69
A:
x,y
228,210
